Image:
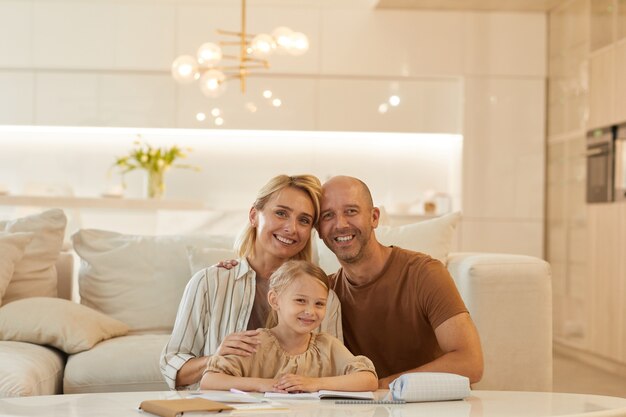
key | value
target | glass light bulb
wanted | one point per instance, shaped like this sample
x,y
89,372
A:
x,y
299,43
209,53
277,102
212,83
262,45
382,109
215,112
267,94
200,117
219,121
394,100
282,37
184,69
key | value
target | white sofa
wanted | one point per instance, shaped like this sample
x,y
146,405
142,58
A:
x,y
137,281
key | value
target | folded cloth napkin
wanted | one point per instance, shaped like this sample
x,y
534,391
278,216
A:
x,y
429,386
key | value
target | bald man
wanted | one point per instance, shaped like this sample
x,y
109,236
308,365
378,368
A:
x,y
400,308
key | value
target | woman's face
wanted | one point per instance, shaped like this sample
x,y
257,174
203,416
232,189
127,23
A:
x,y
283,226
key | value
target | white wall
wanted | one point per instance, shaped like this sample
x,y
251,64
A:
x,y
234,165
106,63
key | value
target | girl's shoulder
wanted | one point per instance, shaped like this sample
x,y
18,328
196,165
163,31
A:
x,y
325,339
268,340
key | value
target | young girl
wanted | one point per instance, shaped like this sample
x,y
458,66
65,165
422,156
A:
x,y
291,357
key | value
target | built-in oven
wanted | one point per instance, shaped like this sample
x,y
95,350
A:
x,y
600,164
619,177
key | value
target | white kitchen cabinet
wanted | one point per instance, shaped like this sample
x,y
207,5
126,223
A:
x,y
606,243
601,88
620,82
620,21
602,18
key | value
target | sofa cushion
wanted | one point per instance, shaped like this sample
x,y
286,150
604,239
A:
x,y
66,325
35,274
137,279
433,237
29,369
12,247
128,363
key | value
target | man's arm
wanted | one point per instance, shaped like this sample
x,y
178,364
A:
x,y
458,338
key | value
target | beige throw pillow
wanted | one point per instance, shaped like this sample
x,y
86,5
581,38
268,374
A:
x,y
200,258
137,279
433,237
35,274
12,247
67,326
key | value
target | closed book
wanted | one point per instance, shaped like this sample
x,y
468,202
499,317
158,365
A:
x,y
178,407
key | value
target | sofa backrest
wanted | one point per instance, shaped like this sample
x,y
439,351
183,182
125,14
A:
x,y
65,275
510,300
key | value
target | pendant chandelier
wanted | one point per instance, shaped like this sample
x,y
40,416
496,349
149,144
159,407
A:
x,y
210,68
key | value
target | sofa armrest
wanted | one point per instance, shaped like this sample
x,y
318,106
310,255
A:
x,y
510,300
65,271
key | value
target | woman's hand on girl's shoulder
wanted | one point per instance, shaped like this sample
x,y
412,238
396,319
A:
x,y
240,343
227,264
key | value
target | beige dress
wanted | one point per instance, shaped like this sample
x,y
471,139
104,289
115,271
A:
x,y
325,356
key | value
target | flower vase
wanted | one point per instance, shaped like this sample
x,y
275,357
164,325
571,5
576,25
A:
x,y
155,186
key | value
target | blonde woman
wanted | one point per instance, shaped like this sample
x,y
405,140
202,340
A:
x,y
291,357
221,310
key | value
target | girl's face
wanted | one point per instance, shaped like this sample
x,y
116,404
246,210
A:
x,y
301,306
283,226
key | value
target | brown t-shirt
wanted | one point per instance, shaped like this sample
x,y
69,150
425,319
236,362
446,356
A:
x,y
261,306
392,318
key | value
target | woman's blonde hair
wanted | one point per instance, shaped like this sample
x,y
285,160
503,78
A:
x,y
286,274
310,184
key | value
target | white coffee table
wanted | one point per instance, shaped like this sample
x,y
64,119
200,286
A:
x,y
480,404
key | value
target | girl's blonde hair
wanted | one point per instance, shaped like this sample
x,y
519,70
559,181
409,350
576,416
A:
x,y
310,184
286,274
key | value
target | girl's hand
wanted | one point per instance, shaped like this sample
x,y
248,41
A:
x,y
240,344
294,383
268,385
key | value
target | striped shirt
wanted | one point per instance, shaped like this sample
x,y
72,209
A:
x,y
216,303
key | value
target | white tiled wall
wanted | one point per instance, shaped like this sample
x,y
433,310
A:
x,y
496,235
104,63
16,32
297,112
511,44
16,97
67,98
398,43
504,149
429,106
73,34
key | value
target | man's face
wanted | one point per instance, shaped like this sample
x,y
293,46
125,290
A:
x,y
347,219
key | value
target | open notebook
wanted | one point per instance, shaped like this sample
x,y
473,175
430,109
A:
x,y
356,395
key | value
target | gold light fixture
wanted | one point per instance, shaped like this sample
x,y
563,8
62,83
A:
x,y
207,65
